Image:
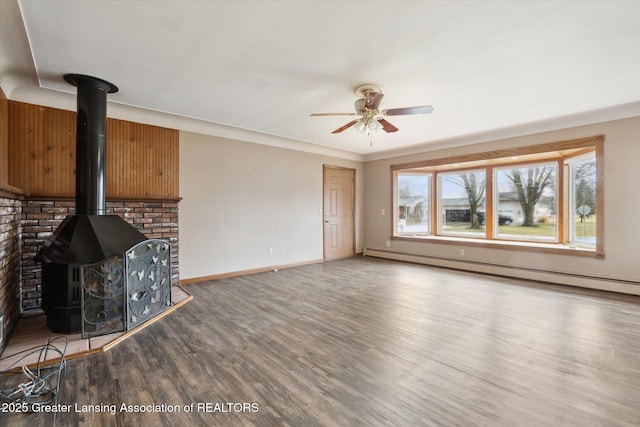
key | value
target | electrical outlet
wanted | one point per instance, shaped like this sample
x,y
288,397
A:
x,y
461,252
270,251
388,243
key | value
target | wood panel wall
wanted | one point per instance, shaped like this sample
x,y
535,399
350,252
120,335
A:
x,y
142,160
4,138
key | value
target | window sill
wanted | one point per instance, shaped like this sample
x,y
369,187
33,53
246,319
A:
x,y
550,248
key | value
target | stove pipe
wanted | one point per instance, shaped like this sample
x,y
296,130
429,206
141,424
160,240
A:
x,y
91,137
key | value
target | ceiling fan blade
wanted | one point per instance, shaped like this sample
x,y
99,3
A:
x,y
386,126
347,126
333,114
372,100
421,109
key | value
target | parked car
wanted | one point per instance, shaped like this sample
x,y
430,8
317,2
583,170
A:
x,y
502,219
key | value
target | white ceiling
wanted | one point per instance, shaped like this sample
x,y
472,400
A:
x,y
257,69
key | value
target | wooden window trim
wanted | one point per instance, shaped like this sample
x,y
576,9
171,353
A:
x,y
528,246
572,144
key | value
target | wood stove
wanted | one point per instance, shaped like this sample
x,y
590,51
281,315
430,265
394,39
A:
x,y
85,263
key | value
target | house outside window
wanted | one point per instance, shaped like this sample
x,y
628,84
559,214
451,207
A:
x,y
413,203
461,198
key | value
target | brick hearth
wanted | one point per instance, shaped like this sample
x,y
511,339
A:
x,y
40,218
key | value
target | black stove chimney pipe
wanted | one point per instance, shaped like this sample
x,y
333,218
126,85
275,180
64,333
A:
x,y
91,147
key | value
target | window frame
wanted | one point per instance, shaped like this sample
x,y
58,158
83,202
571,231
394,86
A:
x,y
558,152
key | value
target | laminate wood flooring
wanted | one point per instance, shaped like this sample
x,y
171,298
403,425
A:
x,y
367,342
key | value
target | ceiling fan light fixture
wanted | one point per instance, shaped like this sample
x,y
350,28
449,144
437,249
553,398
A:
x,y
374,126
367,126
361,126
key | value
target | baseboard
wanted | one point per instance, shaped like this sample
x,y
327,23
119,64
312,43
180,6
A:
x,y
568,279
246,272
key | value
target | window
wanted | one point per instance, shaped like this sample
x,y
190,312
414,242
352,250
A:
x,y
526,202
413,203
461,199
545,197
582,204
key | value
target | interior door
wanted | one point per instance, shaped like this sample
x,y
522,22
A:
x,y
339,185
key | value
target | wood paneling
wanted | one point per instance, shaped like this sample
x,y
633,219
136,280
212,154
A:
x,y
4,138
59,161
142,160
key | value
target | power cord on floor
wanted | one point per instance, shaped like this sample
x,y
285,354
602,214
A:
x,y
38,386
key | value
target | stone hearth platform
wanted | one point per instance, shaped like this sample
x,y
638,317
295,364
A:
x,y
31,334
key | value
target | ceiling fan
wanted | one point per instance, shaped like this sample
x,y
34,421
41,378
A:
x,y
371,117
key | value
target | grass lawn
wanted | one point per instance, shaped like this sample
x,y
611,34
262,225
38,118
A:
x,y
543,231
586,229
546,230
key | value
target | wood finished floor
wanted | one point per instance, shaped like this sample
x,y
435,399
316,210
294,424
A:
x,y
367,342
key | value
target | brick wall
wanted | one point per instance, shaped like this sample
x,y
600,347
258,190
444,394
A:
x,y
10,212
40,218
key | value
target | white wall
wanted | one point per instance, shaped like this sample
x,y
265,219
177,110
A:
x,y
239,199
619,271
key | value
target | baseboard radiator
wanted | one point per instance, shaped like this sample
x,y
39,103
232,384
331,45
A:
x,y
560,278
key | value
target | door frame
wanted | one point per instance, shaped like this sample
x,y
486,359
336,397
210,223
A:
x,y
353,211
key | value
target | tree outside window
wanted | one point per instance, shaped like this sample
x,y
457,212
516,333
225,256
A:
x,y
529,190
462,202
